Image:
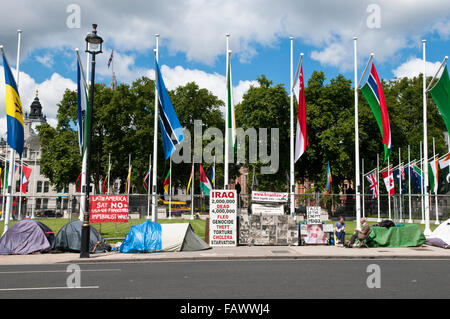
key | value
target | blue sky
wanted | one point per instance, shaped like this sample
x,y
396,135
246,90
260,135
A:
x,y
192,42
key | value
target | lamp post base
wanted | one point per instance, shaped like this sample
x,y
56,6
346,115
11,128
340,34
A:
x,y
85,238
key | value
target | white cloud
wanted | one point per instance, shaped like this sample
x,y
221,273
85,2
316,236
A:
x,y
197,27
414,67
46,60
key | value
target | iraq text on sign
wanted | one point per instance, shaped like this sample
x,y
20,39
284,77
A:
x,y
222,218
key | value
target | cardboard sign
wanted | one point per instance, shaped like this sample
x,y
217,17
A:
x,y
314,215
222,218
109,209
315,234
269,197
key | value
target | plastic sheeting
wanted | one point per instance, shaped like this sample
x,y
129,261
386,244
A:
x,y
403,236
144,237
26,237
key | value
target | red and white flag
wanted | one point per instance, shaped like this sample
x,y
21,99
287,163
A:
x,y
372,178
388,178
26,173
301,140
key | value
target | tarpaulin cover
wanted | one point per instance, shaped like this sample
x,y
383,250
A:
x,y
26,237
405,236
141,238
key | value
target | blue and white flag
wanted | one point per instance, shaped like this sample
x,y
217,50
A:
x,y
82,105
171,130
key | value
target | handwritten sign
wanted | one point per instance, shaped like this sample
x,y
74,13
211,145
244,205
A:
x,y
109,209
222,218
314,215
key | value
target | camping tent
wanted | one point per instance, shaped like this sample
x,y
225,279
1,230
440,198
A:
x,y
27,237
150,236
441,235
69,239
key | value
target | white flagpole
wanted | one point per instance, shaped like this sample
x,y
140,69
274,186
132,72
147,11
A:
x,y
435,187
155,143
227,141
362,185
421,186
291,138
409,185
109,172
389,195
170,188
378,189
149,185
4,182
427,230
129,174
357,182
192,188
214,167
10,195
20,189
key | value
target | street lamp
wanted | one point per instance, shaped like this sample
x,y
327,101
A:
x,y
94,47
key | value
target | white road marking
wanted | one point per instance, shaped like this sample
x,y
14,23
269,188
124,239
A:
x,y
48,288
52,271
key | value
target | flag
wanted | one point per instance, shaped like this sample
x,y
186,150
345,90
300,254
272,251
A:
x,y
104,185
171,130
399,175
388,179
254,180
110,58
190,180
128,184
373,184
147,179
26,173
373,92
167,182
329,179
301,140
82,108
433,175
213,175
445,162
1,177
205,184
14,112
441,96
231,120
415,174
78,185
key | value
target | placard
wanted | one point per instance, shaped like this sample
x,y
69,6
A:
x,y
109,209
258,196
222,218
315,234
273,208
314,215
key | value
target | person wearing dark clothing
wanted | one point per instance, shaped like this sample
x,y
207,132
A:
x,y
238,191
339,229
360,234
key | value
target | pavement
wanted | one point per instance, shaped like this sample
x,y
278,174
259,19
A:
x,y
239,253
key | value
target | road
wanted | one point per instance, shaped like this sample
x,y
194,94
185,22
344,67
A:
x,y
326,278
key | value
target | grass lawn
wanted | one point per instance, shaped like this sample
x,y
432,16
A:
x,y
108,230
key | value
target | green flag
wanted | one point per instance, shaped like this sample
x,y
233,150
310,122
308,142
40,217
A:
x,y
441,96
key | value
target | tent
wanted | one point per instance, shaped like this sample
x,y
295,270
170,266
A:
x,y
441,235
26,237
149,236
68,239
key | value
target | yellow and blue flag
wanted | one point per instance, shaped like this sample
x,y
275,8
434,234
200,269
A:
x,y
14,113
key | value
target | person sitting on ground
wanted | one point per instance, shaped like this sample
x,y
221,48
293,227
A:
x,y
339,229
360,234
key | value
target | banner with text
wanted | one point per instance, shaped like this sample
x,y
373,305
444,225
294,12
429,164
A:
x,y
259,196
109,209
222,218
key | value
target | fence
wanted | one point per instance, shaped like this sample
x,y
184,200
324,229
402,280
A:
x,y
402,207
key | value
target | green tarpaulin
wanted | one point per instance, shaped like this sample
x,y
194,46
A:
x,y
403,236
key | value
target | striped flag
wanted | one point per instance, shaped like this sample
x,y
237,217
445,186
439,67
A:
x,y
110,58
167,182
388,179
329,179
433,175
301,140
147,179
190,180
26,173
373,92
372,179
205,184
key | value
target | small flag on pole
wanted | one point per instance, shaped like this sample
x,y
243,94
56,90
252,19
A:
x,y
301,140
329,179
205,184
388,179
441,96
147,179
104,185
78,183
166,182
111,58
433,175
26,172
373,184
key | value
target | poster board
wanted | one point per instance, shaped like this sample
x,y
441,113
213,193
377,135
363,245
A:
x,y
223,218
269,197
109,209
314,215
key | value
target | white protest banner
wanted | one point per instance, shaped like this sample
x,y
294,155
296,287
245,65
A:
x,y
314,215
269,197
222,218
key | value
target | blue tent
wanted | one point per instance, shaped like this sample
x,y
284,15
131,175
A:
x,y
141,238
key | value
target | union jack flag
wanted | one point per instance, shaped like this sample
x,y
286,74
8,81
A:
x,y
110,58
372,178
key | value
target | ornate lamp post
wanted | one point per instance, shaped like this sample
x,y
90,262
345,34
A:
x,y
94,47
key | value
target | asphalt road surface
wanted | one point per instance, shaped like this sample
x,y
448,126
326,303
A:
x,y
231,279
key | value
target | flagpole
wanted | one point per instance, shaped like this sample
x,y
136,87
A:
x,y
170,188
389,195
214,167
129,174
421,186
409,185
192,189
148,185
4,182
291,138
378,189
436,186
225,178
427,230
155,142
400,172
109,171
357,192
20,189
362,185
9,198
